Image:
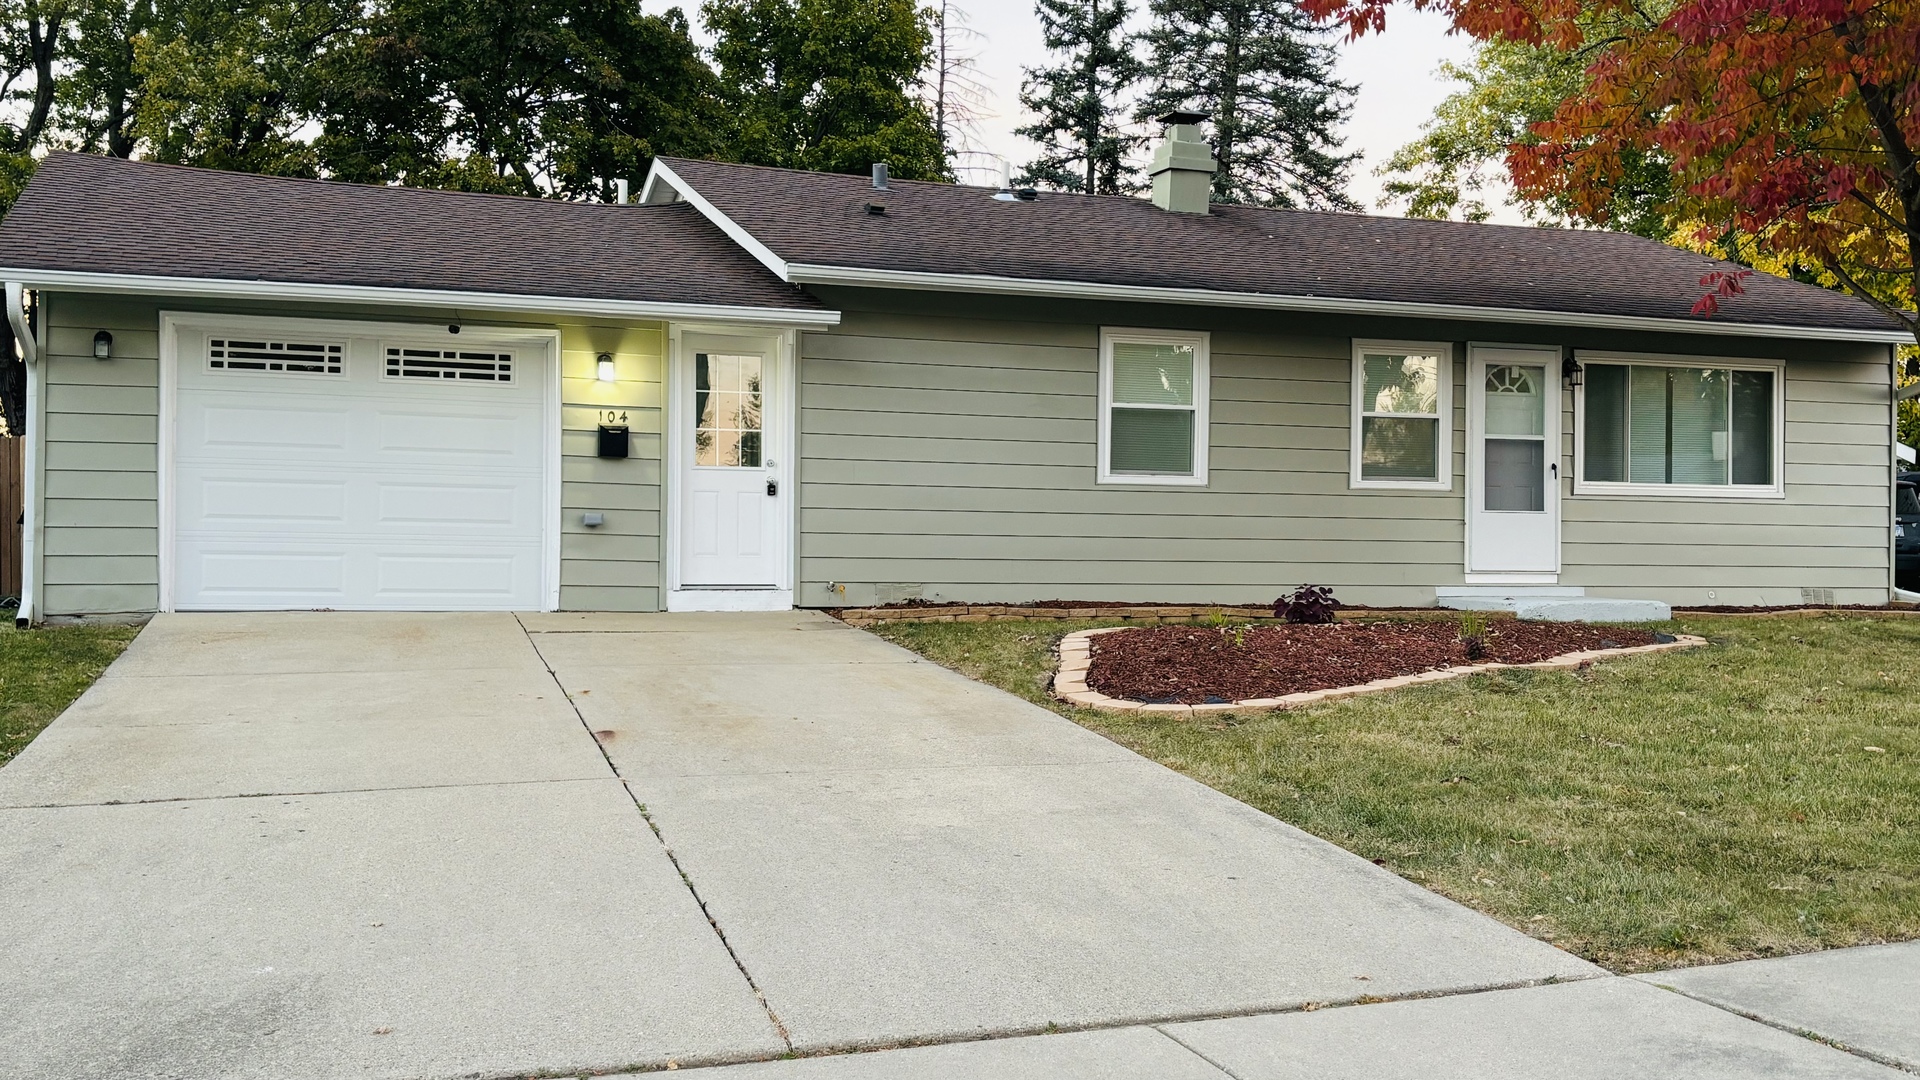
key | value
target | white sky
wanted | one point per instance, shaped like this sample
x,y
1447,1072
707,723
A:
x,y
1395,73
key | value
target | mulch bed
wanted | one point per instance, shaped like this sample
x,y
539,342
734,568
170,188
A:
x,y
1194,665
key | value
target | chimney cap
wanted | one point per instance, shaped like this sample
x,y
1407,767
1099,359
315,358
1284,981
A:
x,y
1183,116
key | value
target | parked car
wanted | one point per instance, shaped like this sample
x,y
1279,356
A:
x,y
1906,532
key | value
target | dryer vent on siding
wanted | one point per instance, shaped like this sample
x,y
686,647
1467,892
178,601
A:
x,y
462,365
296,357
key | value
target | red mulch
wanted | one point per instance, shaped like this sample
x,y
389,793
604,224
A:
x,y
1197,665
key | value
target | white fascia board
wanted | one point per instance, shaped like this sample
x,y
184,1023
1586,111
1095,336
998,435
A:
x,y
662,174
225,288
813,274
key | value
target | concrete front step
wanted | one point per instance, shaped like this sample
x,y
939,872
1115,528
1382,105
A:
x,y
1553,604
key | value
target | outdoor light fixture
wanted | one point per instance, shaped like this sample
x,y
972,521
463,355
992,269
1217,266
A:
x,y
604,367
102,345
1571,372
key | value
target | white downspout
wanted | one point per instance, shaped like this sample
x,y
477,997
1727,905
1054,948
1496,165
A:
x,y
30,470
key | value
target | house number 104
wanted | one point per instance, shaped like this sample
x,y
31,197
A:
x,y
613,416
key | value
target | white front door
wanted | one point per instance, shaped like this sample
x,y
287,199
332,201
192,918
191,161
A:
x,y
356,466
733,489
1513,461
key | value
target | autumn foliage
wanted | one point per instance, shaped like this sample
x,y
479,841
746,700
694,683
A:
x,y
1790,124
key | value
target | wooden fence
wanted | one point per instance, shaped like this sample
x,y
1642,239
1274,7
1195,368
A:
x,y
13,456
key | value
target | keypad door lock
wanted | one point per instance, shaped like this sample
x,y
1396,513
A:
x,y
773,488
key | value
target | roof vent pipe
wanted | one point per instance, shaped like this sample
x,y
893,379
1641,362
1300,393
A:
x,y
879,176
1005,193
620,192
1183,165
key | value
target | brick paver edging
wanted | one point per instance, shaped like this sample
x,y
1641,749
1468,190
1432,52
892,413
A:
x,y
1076,656
1142,613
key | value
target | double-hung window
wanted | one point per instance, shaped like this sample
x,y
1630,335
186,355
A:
x,y
1153,407
1679,426
1402,415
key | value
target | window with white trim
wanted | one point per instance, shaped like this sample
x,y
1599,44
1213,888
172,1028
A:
x,y
1402,415
1679,426
1153,407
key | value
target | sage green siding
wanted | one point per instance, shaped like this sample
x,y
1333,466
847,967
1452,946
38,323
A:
x,y
948,450
615,566
99,551
99,510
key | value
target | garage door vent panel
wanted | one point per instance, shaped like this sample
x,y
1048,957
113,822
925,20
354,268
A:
x,y
276,357
460,365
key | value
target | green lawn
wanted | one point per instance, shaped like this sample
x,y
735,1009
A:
x,y
1758,797
42,671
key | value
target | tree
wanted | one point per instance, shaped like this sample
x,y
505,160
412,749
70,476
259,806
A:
x,y
99,98
1792,123
1080,100
232,89
1506,89
955,90
32,36
827,85
1264,72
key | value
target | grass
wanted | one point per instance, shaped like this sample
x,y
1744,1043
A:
x,y
1647,812
42,671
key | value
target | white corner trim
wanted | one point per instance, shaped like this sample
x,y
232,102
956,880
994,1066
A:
x,y
814,274
661,173
229,288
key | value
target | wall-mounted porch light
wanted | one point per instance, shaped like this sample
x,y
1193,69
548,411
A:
x,y
603,367
102,345
1571,372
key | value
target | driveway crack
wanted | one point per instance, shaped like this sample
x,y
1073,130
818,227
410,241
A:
x,y
647,816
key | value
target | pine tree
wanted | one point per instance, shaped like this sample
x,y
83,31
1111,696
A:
x,y
1082,126
1264,70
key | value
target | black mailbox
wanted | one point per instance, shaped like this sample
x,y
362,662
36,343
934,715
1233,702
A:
x,y
613,440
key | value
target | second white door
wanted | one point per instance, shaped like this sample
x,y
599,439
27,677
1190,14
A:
x,y
734,490
1513,461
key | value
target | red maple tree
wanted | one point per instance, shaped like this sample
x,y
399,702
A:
x,y
1791,123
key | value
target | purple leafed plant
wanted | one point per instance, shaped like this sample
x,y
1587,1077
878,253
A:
x,y
1311,604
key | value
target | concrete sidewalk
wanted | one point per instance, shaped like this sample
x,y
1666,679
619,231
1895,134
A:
x,y
1595,1029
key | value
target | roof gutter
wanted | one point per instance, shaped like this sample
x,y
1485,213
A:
x,y
160,285
814,274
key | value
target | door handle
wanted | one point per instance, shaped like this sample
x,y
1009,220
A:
x,y
1553,469
773,488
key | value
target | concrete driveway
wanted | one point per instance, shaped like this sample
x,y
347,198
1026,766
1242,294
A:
x,y
324,845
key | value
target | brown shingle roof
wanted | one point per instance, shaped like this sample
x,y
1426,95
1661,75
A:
x,y
105,215
821,218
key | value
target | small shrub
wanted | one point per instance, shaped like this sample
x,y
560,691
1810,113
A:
x,y
1473,634
1309,604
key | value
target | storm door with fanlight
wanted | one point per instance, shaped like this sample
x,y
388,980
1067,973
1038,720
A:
x,y
1513,462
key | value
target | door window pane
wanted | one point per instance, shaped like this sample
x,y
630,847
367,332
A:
x,y
1699,426
1516,474
726,407
1152,441
1515,403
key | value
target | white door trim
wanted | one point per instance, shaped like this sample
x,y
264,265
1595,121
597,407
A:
x,y
783,447
1477,355
173,322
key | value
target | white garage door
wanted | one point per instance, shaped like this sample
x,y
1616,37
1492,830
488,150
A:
x,y
382,468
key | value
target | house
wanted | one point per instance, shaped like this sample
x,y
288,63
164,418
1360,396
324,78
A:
x,y
759,388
